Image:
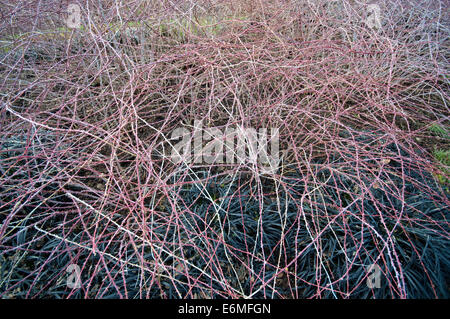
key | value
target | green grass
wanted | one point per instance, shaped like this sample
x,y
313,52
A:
x,y
175,28
443,158
438,130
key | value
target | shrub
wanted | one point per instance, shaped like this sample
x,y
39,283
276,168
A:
x,y
86,115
